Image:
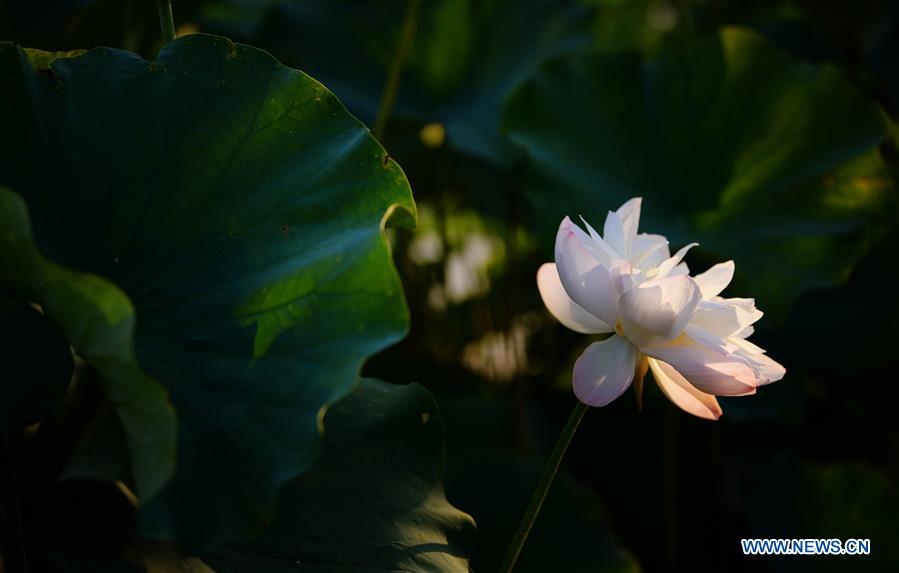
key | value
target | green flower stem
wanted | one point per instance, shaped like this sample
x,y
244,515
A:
x,y
396,67
546,481
166,20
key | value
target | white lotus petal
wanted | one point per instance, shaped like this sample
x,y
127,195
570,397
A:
x,y
586,281
660,306
745,333
746,346
566,311
605,253
593,234
716,279
709,339
613,234
719,318
649,251
604,371
625,276
684,395
669,264
708,369
630,218
746,311
767,369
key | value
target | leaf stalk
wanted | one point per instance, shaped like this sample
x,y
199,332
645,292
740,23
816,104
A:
x,y
388,95
166,20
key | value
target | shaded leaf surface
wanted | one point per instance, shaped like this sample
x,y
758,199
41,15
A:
x,y
374,500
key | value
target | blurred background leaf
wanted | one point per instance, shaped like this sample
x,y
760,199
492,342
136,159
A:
x,y
731,142
466,56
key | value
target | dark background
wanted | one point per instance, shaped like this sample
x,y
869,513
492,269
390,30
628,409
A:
x,y
814,455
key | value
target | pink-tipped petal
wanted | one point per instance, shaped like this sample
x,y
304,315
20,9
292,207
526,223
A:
x,y
713,370
604,371
768,370
684,395
585,280
716,279
567,229
566,311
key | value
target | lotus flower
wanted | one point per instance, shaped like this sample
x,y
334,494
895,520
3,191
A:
x,y
661,319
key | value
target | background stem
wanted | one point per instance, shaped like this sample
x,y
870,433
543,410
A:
x,y
166,20
14,514
396,67
546,480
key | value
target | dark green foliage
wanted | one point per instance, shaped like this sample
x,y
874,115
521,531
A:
x,y
230,214
731,142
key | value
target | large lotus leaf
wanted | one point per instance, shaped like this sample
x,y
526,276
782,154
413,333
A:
x,y
240,208
37,363
466,56
374,500
571,533
731,142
